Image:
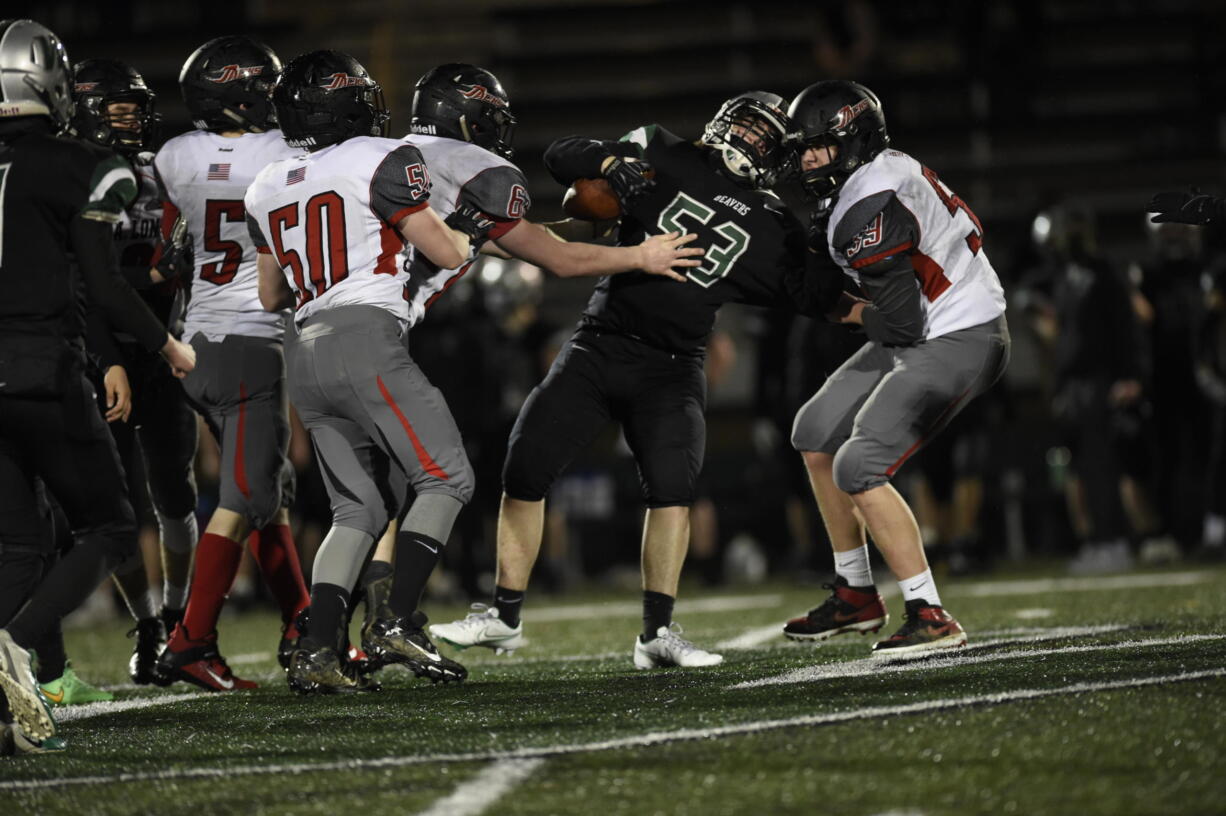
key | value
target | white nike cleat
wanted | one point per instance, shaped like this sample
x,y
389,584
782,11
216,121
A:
x,y
29,709
482,627
668,648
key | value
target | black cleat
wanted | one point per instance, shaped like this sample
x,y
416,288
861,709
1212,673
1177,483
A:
x,y
150,640
323,672
404,641
290,635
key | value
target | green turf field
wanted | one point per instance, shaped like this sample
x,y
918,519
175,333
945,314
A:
x,y
1087,696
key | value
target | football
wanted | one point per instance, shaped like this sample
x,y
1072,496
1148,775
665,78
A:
x,y
591,200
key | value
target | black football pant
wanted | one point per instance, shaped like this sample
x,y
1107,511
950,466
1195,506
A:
x,y
65,443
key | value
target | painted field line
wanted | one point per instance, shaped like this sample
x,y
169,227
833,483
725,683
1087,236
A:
x,y
982,589
754,637
487,787
872,667
84,712
636,741
730,603
250,657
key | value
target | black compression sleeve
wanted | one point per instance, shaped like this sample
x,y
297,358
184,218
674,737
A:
x,y
575,157
896,316
108,291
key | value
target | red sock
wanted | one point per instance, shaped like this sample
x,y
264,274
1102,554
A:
x,y
277,557
217,560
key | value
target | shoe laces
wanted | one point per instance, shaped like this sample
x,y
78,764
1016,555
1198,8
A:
x,y
480,616
672,638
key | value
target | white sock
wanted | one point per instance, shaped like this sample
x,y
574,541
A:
x,y
179,535
853,567
920,586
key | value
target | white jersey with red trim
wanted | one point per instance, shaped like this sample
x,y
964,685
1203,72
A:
x,y
959,287
458,170
204,176
329,218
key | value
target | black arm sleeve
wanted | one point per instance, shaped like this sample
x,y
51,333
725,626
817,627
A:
x,y
108,291
575,157
99,343
895,317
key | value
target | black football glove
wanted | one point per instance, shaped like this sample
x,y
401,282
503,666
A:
x,y
1191,207
178,258
819,222
472,222
628,180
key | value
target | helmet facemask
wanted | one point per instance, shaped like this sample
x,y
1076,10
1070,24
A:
x,y
749,134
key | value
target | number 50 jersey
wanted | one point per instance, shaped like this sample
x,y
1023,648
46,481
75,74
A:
x,y
204,175
329,218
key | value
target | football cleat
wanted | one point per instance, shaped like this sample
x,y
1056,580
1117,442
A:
x,y
200,664
846,610
290,635
69,689
668,648
323,672
29,709
14,741
482,627
927,628
402,640
150,640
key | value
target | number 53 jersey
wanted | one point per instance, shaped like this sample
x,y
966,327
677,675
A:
x,y
204,176
329,218
755,250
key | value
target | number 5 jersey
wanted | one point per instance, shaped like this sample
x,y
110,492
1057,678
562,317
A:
x,y
205,175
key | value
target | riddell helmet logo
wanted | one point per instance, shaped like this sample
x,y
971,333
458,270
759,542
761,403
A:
x,y
342,80
229,73
482,94
849,112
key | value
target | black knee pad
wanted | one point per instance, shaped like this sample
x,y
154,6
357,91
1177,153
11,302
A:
x,y
857,468
523,478
117,541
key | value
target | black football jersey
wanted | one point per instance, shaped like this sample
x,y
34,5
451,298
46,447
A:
x,y
755,248
45,182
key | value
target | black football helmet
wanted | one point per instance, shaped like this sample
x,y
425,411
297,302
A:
x,y
97,83
462,101
326,97
749,132
226,84
841,114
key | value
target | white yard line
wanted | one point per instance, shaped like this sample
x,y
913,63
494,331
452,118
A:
x,y
729,603
636,741
753,637
982,589
250,657
869,666
84,712
474,796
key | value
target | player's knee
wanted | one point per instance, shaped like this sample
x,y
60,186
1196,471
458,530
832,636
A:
x,y
810,432
262,505
524,479
856,468
174,498
369,516
117,541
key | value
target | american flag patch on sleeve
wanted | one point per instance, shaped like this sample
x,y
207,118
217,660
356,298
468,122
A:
x,y
296,175
219,172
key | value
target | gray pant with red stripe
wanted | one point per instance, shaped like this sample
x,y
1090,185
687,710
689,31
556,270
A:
x,y
884,404
238,386
370,410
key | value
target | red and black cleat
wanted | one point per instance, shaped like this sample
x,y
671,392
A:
x,y
846,610
198,662
927,628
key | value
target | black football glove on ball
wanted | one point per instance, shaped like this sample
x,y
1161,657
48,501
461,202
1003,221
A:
x,y
628,180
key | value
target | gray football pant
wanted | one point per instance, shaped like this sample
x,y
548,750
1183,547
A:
x,y
883,404
238,386
371,411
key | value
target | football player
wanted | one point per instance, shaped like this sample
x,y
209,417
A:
x,y
637,355
239,384
331,227
936,339
144,404
462,124
58,197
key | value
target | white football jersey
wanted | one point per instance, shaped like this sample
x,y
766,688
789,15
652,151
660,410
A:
x,y
484,179
944,239
205,176
329,218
